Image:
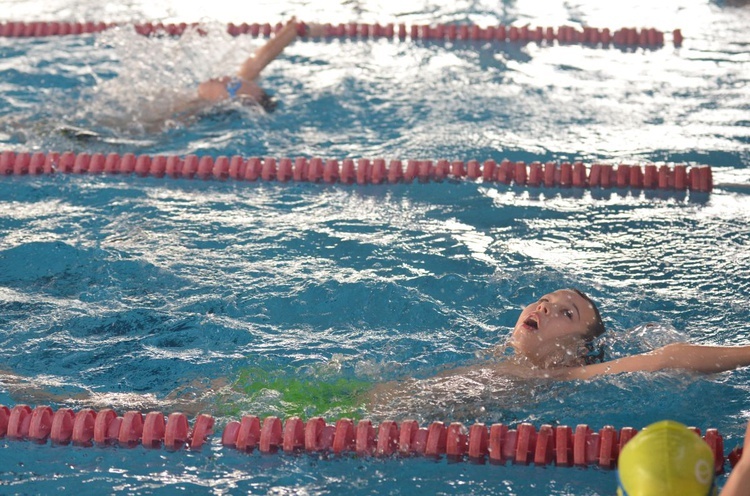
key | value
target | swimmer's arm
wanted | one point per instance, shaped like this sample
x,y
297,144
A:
x,y
263,56
683,356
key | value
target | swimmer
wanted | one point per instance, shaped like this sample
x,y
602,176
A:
x,y
243,85
554,338
667,459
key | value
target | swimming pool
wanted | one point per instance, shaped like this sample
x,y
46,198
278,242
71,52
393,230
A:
x,y
145,290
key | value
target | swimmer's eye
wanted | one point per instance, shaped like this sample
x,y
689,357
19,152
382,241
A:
x,y
568,314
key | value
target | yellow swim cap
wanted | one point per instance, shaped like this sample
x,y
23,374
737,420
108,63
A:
x,y
666,459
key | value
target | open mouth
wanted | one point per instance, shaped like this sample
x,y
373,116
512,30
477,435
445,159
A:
x,y
531,322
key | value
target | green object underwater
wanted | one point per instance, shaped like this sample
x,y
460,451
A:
x,y
303,397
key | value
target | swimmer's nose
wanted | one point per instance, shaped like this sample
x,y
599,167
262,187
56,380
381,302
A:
x,y
542,307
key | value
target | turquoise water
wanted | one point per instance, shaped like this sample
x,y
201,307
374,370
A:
x,y
134,292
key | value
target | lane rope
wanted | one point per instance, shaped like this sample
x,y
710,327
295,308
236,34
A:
x,y
591,36
678,177
499,444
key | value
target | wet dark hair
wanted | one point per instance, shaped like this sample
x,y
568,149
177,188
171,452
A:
x,y
594,353
266,101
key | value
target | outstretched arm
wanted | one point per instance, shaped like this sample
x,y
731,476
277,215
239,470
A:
x,y
684,356
216,90
263,56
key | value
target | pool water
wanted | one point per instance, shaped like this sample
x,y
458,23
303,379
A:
x,y
260,298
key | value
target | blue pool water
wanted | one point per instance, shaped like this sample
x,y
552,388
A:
x,y
139,292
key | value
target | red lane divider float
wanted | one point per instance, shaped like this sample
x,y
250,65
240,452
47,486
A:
x,y
645,37
499,443
364,171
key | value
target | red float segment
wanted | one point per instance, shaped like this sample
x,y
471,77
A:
x,y
456,440
664,179
623,176
220,170
21,164
203,428
348,174
425,171
81,163
83,427
104,419
457,169
407,437
252,169
363,171
536,174
580,440
364,438
473,170
247,436
19,422
505,172
131,428
268,169
237,167
411,170
442,169
650,176
566,175
378,173
680,177
520,173
344,436
154,427
331,171
564,446
294,435
551,175
636,177
497,440
395,171
525,444
436,439
388,438
478,441
230,434
41,423
579,175
716,443
314,433
488,170
608,452
544,452
176,432
270,435
62,426
36,163
315,170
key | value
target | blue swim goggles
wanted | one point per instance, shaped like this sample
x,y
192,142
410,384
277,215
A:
x,y
233,85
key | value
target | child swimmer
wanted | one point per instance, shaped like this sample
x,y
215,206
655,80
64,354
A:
x,y
554,339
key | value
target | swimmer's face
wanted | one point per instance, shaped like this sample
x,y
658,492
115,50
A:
x,y
550,332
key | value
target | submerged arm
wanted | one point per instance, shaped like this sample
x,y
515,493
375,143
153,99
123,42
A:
x,y
684,356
